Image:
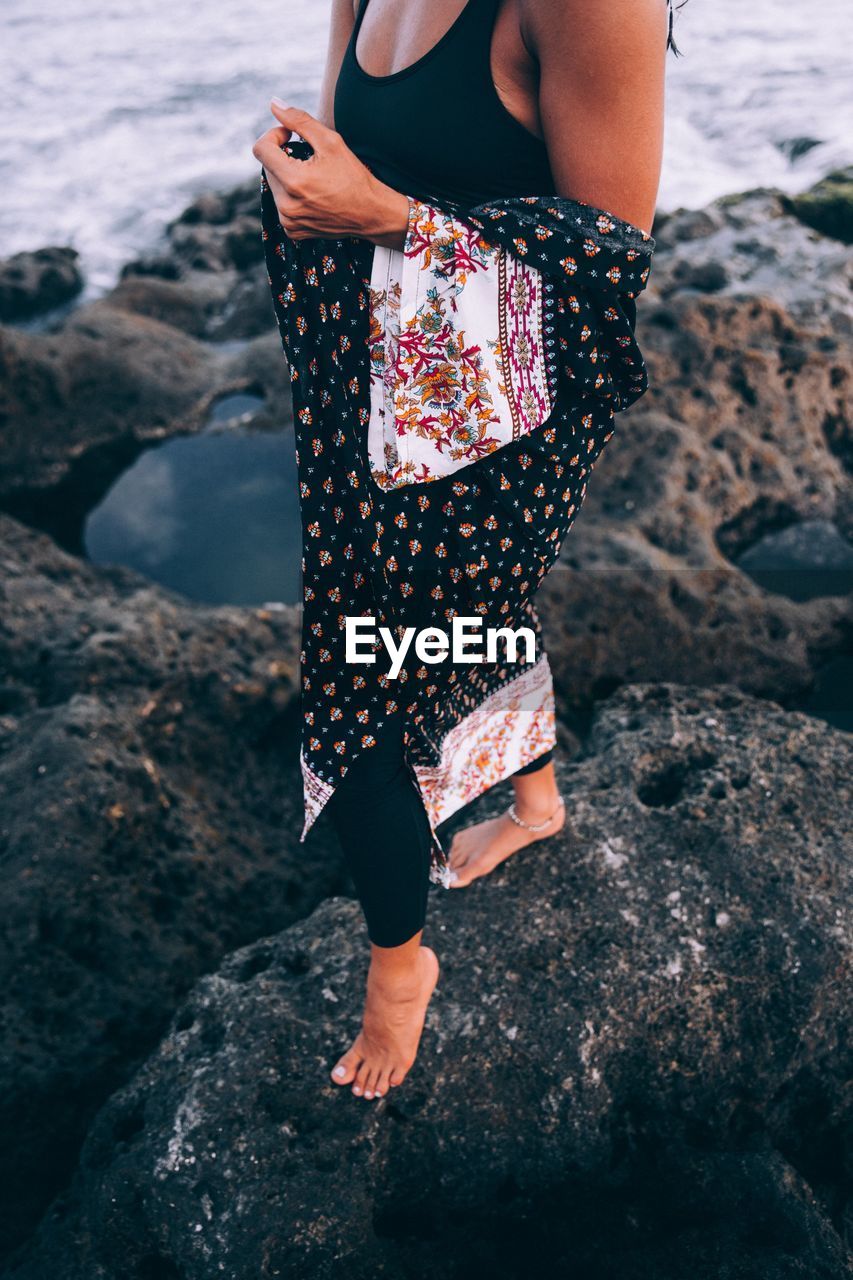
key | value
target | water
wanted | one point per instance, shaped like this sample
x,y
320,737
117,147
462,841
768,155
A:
x,y
117,112
213,516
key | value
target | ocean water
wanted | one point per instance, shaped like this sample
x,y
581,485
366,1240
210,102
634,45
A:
x,y
115,113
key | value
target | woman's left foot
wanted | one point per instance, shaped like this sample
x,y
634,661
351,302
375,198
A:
x,y
477,850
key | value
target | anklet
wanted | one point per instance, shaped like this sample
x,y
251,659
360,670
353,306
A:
x,y
534,826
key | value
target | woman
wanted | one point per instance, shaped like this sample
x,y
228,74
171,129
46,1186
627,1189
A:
x,y
407,195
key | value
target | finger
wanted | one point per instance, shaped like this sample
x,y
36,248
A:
x,y
268,145
319,135
288,172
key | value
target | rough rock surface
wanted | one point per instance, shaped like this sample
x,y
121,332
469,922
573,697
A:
x,y
37,281
150,823
636,1062
754,244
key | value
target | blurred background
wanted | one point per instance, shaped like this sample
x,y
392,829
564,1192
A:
x,y
638,1061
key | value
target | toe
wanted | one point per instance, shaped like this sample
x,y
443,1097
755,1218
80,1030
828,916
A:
x,y
346,1068
457,856
360,1083
398,1075
382,1083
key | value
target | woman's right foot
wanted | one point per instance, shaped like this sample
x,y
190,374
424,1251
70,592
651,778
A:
x,y
394,1014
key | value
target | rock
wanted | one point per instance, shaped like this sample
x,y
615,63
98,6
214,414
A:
x,y
107,384
214,306
152,806
220,230
36,281
745,431
188,306
213,261
107,380
162,266
636,1061
795,148
753,244
618,613
828,205
219,207
807,559
704,277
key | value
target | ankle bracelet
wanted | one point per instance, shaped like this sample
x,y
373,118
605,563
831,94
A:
x,y
534,826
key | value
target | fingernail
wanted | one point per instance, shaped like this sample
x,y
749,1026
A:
x,y
279,102
339,1071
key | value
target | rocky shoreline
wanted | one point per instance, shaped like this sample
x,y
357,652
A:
x,y
639,1035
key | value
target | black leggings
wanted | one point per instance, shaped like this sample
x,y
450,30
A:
x,y
384,831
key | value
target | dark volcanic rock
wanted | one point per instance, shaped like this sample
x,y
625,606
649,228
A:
x,y
636,1062
151,811
36,281
828,205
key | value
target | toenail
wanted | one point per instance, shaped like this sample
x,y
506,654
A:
x,y
368,1094
340,1071
357,1091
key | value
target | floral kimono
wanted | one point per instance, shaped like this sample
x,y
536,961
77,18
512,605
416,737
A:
x,y
450,399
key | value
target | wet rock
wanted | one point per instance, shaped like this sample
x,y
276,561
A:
x,y
213,257
37,281
152,808
639,1067
796,148
216,208
828,205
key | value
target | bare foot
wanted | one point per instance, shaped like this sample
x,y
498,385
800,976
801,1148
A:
x,y
394,1014
477,850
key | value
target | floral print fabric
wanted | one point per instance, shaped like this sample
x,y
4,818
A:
x,y
458,333
472,542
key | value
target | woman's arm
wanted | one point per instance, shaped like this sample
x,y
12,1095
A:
x,y
341,23
601,99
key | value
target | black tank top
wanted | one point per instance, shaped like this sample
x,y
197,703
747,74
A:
x,y
438,126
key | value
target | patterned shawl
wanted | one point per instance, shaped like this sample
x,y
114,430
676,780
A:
x,y
450,400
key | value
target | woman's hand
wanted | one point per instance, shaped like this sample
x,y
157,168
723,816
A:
x,y
332,193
